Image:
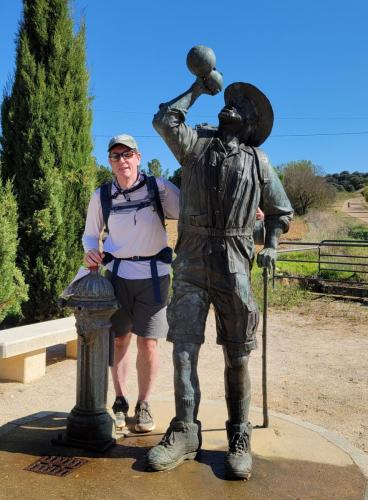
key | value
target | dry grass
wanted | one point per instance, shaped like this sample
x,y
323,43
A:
x,y
326,225
333,309
298,230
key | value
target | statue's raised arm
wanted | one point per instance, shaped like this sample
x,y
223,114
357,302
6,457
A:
x,y
169,122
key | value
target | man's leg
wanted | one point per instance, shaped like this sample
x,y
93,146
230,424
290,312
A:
x,y
237,391
119,373
147,368
121,366
149,324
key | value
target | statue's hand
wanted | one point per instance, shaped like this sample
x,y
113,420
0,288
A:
x,y
214,82
200,87
267,258
211,84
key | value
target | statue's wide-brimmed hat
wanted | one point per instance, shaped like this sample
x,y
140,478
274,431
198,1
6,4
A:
x,y
238,92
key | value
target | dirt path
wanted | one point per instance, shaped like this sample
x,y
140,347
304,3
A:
x,y
356,207
317,371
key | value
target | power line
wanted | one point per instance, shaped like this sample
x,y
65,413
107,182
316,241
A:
x,y
332,118
317,134
135,135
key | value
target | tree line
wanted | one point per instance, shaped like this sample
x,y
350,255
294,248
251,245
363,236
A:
x,y
346,181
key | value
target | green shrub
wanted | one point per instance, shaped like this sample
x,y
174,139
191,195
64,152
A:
x,y
283,263
359,233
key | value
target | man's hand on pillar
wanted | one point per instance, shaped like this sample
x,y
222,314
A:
x,y
93,258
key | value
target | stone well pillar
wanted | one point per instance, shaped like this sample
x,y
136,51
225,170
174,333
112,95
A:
x,y
90,424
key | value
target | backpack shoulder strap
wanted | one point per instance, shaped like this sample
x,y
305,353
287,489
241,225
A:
x,y
106,202
154,196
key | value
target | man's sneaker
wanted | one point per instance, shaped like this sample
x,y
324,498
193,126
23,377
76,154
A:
x,y
238,459
181,441
120,409
143,417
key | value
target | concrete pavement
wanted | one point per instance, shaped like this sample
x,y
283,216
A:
x,y
291,460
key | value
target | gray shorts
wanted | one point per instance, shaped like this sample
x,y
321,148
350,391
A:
x,y
139,313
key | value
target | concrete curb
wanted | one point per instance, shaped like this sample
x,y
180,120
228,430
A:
x,y
359,457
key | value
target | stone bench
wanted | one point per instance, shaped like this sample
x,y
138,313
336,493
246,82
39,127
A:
x,y
23,349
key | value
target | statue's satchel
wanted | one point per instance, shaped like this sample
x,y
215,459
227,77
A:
x,y
261,162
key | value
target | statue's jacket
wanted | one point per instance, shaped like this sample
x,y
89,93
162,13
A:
x,y
221,189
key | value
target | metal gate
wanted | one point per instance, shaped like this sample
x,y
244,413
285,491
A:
x,y
339,257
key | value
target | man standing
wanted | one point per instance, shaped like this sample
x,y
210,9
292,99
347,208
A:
x,y
224,179
138,259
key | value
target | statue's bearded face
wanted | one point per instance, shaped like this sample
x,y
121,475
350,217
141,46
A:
x,y
237,118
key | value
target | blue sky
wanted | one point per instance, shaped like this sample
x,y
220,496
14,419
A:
x,y
308,57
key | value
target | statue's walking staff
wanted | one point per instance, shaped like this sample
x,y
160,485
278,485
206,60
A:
x,y
264,347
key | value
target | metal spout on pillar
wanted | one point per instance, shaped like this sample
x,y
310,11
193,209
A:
x,y
90,424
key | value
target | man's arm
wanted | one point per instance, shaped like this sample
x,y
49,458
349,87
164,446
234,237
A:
x,y
169,122
278,214
92,232
169,194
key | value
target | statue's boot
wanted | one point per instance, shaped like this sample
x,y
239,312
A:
x,y
238,460
181,441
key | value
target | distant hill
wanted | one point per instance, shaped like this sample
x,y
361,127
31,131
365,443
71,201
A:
x,y
346,181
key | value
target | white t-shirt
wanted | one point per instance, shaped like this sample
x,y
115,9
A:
x,y
133,231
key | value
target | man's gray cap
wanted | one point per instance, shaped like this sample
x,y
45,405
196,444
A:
x,y
236,92
123,139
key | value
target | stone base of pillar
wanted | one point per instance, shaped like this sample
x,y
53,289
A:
x,y
90,430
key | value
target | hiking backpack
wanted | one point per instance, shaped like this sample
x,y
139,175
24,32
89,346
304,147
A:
x,y
153,195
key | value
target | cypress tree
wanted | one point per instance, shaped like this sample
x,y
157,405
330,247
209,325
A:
x,y
13,290
46,150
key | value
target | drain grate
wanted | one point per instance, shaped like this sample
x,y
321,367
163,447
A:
x,y
56,466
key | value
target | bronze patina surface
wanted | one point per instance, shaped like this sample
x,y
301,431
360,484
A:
x,y
225,179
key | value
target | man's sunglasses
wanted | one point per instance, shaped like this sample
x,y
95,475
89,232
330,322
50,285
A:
x,y
125,155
